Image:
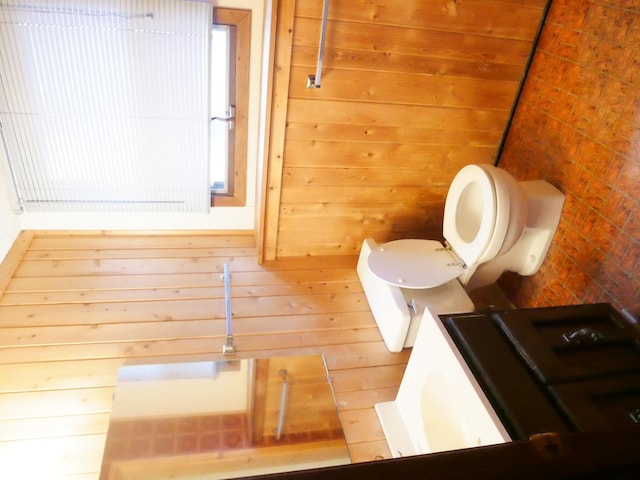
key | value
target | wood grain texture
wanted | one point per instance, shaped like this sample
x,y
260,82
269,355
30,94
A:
x,y
12,259
410,94
502,18
82,305
268,228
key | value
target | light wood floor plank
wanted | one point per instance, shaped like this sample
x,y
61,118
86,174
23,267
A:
x,y
67,374
81,305
176,310
195,293
369,451
52,427
150,331
177,280
358,379
360,399
134,266
159,266
55,403
137,241
53,458
361,426
104,254
186,346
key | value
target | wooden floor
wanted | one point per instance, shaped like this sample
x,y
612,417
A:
x,y
80,306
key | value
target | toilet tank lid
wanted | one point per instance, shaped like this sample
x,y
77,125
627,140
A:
x,y
413,263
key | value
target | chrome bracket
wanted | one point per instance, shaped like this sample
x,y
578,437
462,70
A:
x,y
313,81
457,260
412,305
228,348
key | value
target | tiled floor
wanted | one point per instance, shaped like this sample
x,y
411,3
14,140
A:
x,y
176,435
578,126
129,439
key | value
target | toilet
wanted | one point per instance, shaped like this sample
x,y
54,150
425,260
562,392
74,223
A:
x,y
492,224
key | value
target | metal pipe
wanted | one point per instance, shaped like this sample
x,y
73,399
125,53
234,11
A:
x,y
228,348
283,403
314,81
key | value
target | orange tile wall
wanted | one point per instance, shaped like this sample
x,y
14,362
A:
x,y
577,125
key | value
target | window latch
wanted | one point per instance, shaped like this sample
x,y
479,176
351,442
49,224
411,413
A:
x,y
229,118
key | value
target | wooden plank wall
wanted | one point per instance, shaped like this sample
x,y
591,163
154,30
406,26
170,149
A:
x,y
411,92
81,305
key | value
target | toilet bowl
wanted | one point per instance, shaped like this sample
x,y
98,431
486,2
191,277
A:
x,y
492,224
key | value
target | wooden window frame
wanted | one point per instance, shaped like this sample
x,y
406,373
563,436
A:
x,y
241,20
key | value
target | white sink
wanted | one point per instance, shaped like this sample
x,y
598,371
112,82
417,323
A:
x,y
439,405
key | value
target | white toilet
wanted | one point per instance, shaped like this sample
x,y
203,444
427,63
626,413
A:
x,y
492,224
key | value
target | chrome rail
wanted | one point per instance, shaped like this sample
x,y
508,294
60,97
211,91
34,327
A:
x,y
228,348
313,81
283,403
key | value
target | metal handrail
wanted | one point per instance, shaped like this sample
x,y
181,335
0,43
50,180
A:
x,y
283,403
228,348
313,81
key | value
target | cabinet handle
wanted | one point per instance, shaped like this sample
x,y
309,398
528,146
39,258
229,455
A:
x,y
582,336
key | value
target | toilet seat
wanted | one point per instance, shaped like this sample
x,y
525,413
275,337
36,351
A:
x,y
414,263
484,216
470,213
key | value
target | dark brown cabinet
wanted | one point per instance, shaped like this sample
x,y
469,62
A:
x,y
556,369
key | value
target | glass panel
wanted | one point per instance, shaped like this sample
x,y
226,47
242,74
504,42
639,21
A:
x,y
219,131
223,419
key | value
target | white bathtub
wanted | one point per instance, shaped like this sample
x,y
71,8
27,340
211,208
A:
x,y
439,405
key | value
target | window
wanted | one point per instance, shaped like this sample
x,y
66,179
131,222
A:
x,y
230,41
106,106
222,108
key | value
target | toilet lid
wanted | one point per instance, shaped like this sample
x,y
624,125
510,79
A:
x,y
411,263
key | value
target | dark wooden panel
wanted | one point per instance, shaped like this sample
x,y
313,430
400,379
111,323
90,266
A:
x,y
568,343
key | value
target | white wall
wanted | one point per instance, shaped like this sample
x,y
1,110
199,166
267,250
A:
x,y
226,392
219,218
9,225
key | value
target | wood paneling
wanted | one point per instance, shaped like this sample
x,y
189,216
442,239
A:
x,y
500,18
411,92
12,260
80,306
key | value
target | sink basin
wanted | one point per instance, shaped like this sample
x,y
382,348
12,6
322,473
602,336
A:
x,y
445,420
439,406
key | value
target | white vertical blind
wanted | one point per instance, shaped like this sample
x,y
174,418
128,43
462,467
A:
x,y
104,103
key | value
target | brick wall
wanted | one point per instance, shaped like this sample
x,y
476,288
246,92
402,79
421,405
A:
x,y
577,125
